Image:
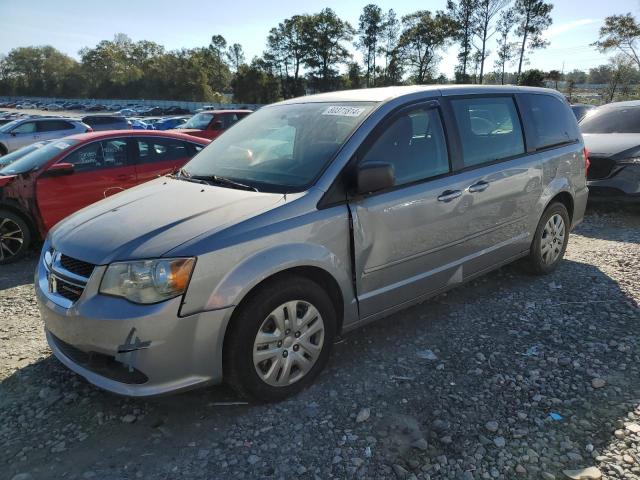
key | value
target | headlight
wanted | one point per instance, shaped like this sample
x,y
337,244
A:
x,y
148,281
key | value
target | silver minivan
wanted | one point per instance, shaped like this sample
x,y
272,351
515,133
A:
x,y
309,218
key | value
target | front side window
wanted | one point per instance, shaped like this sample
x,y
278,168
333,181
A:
x,y
281,148
489,129
162,149
27,127
99,155
40,154
553,121
414,143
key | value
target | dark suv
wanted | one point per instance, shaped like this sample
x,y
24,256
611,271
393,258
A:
x,y
107,122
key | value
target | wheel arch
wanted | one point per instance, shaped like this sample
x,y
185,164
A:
x,y
33,230
566,199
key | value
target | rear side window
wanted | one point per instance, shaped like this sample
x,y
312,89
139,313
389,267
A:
x,y
54,125
414,144
489,129
162,149
553,121
99,155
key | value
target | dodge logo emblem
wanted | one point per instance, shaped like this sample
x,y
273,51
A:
x,y
53,284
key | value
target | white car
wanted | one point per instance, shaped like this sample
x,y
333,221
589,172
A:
x,y
25,131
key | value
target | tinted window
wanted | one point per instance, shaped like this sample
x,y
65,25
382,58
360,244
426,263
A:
x,y
414,144
162,149
489,129
54,125
612,120
99,155
27,127
199,121
553,121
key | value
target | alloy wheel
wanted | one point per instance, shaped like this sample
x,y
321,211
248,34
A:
x,y
11,238
552,240
288,343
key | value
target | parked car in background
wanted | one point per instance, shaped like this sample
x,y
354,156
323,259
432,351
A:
x,y
612,136
138,124
169,123
581,109
95,108
307,219
174,110
126,112
46,185
107,122
212,123
25,131
54,107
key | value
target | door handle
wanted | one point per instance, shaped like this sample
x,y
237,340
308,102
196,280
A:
x,y
481,186
449,195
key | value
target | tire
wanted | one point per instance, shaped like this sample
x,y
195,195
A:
x,y
3,150
541,260
15,237
251,367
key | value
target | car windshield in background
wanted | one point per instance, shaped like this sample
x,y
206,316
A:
x,y
37,158
8,126
12,157
281,148
199,121
612,120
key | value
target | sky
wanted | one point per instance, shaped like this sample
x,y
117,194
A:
x,y
69,25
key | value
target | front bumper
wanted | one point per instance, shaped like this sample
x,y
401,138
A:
x,y
133,350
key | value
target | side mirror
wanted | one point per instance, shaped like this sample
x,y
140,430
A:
x,y
217,125
61,168
375,176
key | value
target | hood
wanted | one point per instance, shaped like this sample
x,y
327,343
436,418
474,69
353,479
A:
x,y
610,144
149,220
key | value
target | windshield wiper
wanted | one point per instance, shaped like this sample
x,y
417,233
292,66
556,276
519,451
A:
x,y
182,174
231,183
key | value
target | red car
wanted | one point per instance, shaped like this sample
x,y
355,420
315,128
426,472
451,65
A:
x,y
211,123
63,176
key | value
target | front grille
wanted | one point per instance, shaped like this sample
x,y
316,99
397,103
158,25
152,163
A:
x,y
78,267
101,364
68,290
600,168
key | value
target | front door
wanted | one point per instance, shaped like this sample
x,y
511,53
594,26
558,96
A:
x,y
101,169
24,134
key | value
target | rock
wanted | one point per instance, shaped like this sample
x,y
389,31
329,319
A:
x,y
89,474
589,473
491,426
633,427
440,426
427,355
499,442
628,459
619,434
357,462
22,476
598,383
253,459
547,476
400,471
128,418
420,444
363,415
480,357
520,469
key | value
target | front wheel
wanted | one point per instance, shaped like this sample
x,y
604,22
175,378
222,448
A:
x,y
280,339
15,237
550,240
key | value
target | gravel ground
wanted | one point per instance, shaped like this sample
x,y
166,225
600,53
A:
x,y
508,377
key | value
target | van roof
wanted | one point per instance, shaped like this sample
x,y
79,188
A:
x,y
384,94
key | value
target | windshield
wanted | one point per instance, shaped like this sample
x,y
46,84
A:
x,y
281,148
199,121
12,157
612,120
38,157
8,126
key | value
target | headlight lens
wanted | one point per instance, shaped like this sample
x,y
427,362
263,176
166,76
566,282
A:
x,y
148,281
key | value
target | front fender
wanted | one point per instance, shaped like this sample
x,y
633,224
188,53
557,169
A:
x,y
254,269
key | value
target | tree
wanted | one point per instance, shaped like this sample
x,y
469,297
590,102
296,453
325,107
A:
x,y
571,85
218,44
324,34
621,33
555,76
621,74
390,33
532,78
422,37
370,31
506,49
534,17
577,76
599,75
484,15
462,13
255,83
235,56
287,49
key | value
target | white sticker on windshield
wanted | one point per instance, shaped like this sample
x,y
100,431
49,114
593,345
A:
x,y
343,111
61,145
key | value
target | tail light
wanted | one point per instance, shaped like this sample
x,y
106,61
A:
x,y
587,163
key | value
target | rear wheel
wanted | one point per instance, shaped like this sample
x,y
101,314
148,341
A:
x,y
280,339
550,240
15,237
